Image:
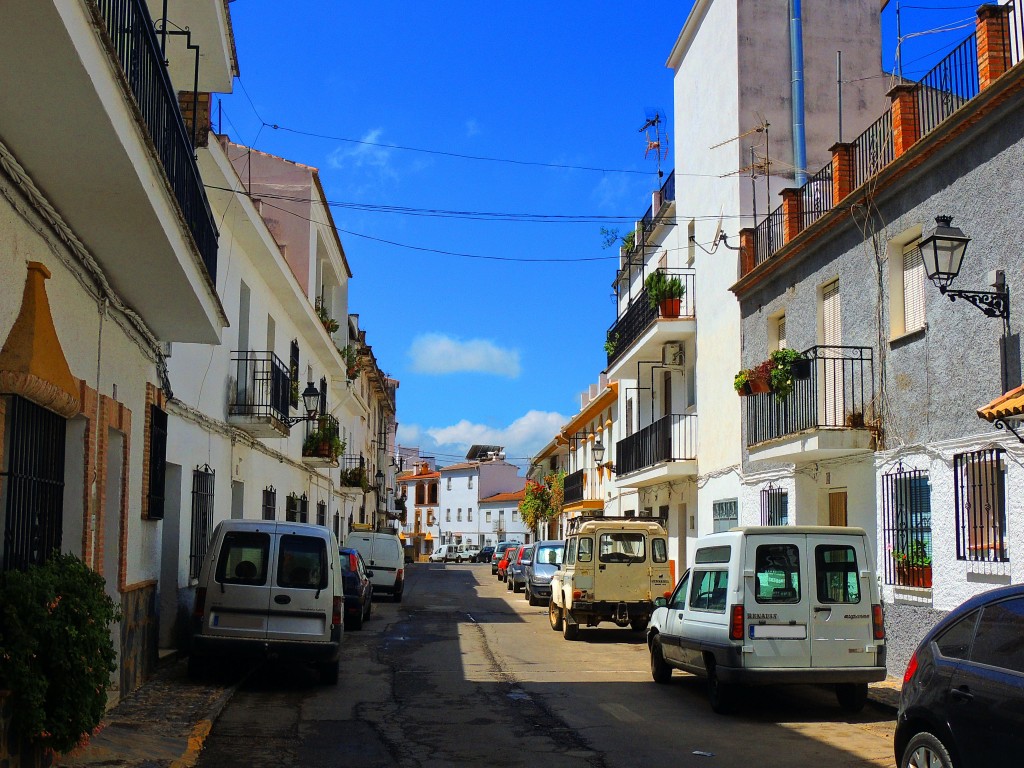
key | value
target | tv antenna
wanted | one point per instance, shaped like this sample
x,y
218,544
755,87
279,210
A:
x,y
655,130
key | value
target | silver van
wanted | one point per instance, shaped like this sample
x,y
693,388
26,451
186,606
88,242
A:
x,y
774,604
271,589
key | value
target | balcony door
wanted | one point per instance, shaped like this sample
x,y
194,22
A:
x,y
831,400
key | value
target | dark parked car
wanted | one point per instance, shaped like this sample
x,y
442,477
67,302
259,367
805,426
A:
x,y
962,703
544,561
516,578
355,579
485,555
499,553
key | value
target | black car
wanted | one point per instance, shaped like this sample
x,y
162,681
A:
x,y
355,578
962,703
485,555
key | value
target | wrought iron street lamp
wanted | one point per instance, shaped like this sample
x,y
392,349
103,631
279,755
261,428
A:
x,y
598,450
311,402
942,250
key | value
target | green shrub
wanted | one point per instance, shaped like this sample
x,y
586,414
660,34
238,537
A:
x,y
56,654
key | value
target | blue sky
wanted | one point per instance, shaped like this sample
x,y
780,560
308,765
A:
x,y
493,345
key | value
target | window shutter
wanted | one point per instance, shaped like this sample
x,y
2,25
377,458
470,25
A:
x,y
782,333
832,325
913,290
157,462
293,373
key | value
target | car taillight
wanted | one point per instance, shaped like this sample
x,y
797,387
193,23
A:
x,y
336,611
200,607
578,594
911,669
353,563
736,623
877,622
401,572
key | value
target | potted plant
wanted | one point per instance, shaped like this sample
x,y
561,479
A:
x,y
664,293
610,343
741,383
351,358
914,566
329,323
760,378
786,365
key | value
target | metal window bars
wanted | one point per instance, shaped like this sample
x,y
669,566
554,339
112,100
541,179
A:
x,y
980,503
906,527
202,517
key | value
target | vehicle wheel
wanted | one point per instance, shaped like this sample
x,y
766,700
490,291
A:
x,y
329,672
516,587
353,623
509,584
926,751
397,596
660,671
530,600
554,616
638,625
570,630
721,695
852,696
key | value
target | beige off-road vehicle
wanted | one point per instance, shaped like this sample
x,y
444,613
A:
x,y
612,570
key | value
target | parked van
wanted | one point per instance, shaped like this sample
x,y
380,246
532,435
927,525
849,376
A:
x,y
774,604
443,554
612,570
269,588
383,554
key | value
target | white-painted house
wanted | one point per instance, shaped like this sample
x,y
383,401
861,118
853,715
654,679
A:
x,y
465,515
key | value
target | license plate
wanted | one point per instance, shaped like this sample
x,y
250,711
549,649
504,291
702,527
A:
x,y
778,631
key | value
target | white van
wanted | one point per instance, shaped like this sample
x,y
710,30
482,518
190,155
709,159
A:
x,y
774,604
443,554
384,556
269,588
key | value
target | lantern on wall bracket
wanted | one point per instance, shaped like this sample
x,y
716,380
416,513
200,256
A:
x,y
942,250
311,402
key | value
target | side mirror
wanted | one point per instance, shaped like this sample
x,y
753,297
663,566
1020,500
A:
x,y
660,602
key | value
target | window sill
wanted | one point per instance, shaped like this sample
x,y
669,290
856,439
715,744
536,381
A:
x,y
908,336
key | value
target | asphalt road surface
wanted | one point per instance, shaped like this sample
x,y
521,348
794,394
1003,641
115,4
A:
x,y
465,672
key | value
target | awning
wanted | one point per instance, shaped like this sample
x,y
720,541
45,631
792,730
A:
x,y
1006,406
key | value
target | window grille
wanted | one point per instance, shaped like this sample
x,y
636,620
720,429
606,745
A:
x,y
157,462
269,503
774,506
907,527
321,513
202,517
303,509
31,484
296,509
725,514
980,499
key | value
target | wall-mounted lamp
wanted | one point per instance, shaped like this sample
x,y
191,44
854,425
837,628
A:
x,y
311,402
942,249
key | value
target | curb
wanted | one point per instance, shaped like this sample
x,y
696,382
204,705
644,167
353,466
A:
x,y
200,731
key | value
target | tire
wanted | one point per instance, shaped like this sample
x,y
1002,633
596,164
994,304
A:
x,y
852,696
638,625
516,587
554,616
329,672
925,751
721,695
530,599
570,630
660,671
509,584
354,623
397,596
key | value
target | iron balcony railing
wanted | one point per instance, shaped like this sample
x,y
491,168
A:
x,y
816,196
768,237
670,438
639,315
131,32
320,437
1015,31
838,393
261,387
874,150
572,487
951,84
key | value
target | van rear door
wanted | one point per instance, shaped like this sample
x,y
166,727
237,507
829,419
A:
x,y
623,573
776,601
302,598
841,629
239,594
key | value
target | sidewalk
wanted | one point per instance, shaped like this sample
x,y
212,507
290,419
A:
x,y
162,724
886,693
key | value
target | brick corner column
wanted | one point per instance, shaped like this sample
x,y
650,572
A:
x,y
906,127
842,170
746,251
992,28
792,212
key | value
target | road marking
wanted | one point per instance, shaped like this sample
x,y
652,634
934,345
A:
x,y
620,712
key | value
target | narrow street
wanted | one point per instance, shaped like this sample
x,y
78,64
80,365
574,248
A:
x,y
463,671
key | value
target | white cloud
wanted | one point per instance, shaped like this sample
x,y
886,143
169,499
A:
x,y
435,353
369,158
522,438
409,434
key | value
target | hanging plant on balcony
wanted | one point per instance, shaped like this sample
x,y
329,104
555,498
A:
x,y
323,443
741,383
664,293
787,365
760,378
329,323
611,343
351,358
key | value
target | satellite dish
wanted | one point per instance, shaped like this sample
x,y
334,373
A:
x,y
718,229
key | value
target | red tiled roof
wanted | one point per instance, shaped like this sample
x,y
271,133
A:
x,y
513,496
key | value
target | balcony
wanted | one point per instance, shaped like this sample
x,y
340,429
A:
x,y
826,414
641,329
664,450
353,473
581,490
259,394
322,444
126,187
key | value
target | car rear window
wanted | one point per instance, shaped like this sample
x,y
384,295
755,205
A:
x,y
302,562
623,547
243,558
954,642
838,575
1000,638
777,573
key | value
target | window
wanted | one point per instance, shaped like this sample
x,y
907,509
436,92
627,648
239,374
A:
x,y
448,515
678,598
487,516
469,514
586,550
157,462
659,551
622,548
202,517
470,482
243,558
980,500
907,527
570,555
774,506
32,484
710,589
713,555
296,509
321,513
302,563
998,641
269,503
725,515
293,373
780,332
515,514
831,315
777,573
458,514
550,555
955,642
913,290
838,577
432,493
449,486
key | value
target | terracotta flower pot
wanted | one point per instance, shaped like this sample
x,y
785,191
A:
x,y
914,575
744,390
669,307
759,387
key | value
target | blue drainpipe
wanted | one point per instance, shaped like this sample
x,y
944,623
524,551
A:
x,y
796,55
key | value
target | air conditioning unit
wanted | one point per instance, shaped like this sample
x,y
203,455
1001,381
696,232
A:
x,y
672,355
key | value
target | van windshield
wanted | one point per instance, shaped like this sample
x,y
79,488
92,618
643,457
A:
x,y
623,547
777,573
302,563
549,555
